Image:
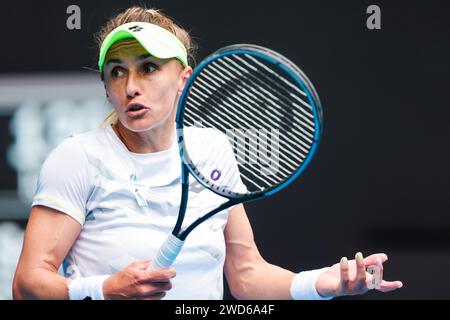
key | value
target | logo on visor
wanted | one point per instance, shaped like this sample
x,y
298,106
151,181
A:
x,y
135,28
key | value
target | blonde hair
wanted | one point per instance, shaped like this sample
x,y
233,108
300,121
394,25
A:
x,y
143,14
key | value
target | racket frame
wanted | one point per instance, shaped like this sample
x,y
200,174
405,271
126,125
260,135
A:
x,y
287,66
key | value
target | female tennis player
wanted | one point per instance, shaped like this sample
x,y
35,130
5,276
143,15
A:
x,y
107,199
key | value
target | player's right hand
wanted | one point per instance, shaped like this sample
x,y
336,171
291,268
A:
x,y
136,283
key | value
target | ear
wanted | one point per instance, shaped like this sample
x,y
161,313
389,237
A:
x,y
185,75
106,93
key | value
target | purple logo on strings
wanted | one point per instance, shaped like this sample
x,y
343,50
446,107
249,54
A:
x,y
215,174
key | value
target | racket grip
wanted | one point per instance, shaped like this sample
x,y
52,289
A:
x,y
167,253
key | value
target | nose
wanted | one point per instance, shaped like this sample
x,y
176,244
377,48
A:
x,y
132,88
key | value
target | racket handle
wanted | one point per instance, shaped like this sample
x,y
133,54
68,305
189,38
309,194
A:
x,y
167,253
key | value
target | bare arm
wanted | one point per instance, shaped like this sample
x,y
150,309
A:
x,y
48,237
249,276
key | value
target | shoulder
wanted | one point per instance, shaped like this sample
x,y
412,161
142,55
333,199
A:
x,y
73,154
74,147
96,137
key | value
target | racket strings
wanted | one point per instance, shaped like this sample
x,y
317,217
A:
x,y
239,156
264,116
252,118
260,182
273,106
197,153
252,148
285,81
261,92
197,157
267,87
262,65
245,97
256,118
228,114
219,154
261,150
253,167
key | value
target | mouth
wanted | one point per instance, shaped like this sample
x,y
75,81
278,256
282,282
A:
x,y
136,110
135,107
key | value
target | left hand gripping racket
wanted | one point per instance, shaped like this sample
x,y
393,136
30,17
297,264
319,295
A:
x,y
248,123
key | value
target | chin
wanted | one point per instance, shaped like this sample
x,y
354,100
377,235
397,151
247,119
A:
x,y
140,125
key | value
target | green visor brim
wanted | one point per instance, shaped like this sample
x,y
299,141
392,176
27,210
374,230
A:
x,y
157,41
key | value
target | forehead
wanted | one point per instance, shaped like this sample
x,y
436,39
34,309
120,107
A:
x,y
125,47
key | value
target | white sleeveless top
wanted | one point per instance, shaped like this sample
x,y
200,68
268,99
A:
x,y
88,176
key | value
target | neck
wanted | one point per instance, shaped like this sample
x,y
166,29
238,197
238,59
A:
x,y
153,140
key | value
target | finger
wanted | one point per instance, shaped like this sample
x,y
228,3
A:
x,y
386,286
360,269
372,259
374,274
141,264
344,272
157,296
157,286
152,289
160,296
379,265
160,275
162,286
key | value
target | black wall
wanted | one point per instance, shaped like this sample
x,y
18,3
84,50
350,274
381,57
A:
x,y
380,180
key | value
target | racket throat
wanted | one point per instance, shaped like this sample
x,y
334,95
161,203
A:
x,y
184,199
223,206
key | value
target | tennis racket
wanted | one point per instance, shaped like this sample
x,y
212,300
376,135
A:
x,y
248,123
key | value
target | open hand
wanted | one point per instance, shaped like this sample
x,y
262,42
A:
x,y
351,277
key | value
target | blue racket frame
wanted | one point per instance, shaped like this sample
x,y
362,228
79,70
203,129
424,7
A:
x,y
297,75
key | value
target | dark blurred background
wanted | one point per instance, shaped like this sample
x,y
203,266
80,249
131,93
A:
x,y
379,182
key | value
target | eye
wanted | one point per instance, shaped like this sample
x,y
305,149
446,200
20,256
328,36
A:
x,y
116,72
149,67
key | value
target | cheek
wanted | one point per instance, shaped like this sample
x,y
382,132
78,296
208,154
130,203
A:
x,y
112,92
164,93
